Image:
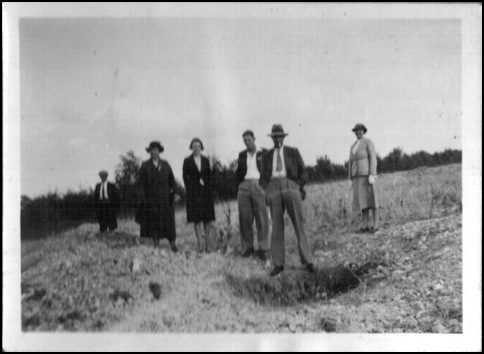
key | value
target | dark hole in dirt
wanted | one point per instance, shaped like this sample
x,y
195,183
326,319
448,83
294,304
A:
x,y
292,287
125,295
155,289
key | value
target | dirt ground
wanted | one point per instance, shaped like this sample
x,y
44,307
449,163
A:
x,y
83,281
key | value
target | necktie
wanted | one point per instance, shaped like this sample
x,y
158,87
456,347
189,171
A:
x,y
102,191
279,161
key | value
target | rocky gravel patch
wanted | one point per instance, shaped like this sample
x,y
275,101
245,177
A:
x,y
83,281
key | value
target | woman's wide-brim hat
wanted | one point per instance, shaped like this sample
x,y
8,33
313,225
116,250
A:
x,y
156,144
277,130
358,127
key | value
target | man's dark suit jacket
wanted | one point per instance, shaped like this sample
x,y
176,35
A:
x,y
113,196
242,164
294,163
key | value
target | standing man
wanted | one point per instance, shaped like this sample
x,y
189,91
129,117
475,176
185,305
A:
x,y
252,199
106,202
283,177
157,194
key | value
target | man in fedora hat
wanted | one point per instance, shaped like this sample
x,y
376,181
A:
x,y
157,191
283,177
251,199
106,202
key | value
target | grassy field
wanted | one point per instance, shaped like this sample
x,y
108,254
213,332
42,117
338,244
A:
x,y
420,194
82,281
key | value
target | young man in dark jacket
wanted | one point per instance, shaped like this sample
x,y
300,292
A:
x,y
251,199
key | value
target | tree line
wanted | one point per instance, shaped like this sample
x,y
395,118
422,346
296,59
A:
x,y
327,171
397,160
53,212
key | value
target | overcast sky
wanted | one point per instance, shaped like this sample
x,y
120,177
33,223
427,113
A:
x,y
92,89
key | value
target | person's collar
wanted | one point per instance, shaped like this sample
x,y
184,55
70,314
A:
x,y
255,151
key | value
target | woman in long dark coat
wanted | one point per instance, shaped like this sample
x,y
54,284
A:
x,y
197,176
157,190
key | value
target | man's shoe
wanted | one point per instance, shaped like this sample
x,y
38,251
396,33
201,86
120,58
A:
x,y
310,268
277,270
174,249
264,255
248,252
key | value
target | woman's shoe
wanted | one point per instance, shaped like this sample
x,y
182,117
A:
x,y
264,255
310,268
247,253
277,270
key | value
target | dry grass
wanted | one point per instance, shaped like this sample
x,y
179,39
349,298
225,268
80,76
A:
x,y
405,196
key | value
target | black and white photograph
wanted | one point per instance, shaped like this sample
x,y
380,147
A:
x,y
242,176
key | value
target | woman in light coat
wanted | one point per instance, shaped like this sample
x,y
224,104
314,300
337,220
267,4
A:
x,y
363,179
